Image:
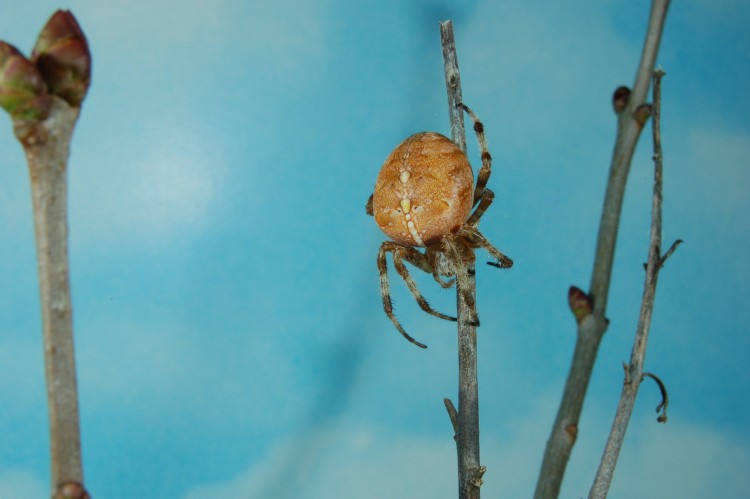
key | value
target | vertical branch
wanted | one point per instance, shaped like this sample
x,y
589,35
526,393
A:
x,y
46,144
591,327
466,419
634,371
43,95
453,84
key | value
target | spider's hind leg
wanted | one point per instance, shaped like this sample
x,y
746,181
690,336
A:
x,y
385,290
418,259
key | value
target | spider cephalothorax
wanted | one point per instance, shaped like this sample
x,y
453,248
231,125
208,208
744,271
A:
x,y
423,198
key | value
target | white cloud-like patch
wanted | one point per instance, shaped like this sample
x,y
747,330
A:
x,y
172,367
359,462
673,460
167,183
712,172
20,483
277,45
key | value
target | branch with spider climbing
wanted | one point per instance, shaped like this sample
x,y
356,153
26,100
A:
x,y
425,197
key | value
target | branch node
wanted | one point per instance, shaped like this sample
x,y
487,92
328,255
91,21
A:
x,y
71,490
572,431
626,368
476,476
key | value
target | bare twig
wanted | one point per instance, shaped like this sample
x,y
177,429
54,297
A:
x,y
635,374
466,422
591,328
47,144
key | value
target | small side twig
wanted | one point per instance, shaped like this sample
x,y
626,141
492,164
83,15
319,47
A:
x,y
635,374
453,415
662,407
466,423
591,328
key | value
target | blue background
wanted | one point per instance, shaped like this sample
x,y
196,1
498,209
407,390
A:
x,y
230,336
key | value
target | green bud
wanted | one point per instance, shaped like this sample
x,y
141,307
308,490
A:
x,y
23,93
62,55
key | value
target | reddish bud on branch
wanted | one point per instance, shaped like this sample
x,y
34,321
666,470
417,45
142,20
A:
x,y
62,55
620,99
23,93
580,303
71,490
642,114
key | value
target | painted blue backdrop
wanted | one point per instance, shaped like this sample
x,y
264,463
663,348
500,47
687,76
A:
x,y
230,335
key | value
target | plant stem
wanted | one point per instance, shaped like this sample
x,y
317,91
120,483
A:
x,y
46,145
591,329
634,371
466,419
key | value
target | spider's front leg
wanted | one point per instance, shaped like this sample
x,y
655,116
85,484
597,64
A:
x,y
475,239
419,260
484,172
484,202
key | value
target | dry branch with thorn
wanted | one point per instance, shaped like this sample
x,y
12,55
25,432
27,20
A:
x,y
591,329
634,370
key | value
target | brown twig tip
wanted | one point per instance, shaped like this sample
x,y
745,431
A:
x,y
71,490
477,474
580,303
662,407
620,98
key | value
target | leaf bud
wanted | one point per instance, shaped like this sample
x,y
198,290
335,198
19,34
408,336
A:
x,y
62,55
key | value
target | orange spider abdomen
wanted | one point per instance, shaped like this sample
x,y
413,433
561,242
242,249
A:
x,y
424,190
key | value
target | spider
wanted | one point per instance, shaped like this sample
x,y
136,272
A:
x,y
423,199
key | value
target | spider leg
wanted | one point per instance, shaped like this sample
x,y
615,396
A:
x,y
443,284
484,172
404,253
484,203
368,206
462,262
386,294
475,238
